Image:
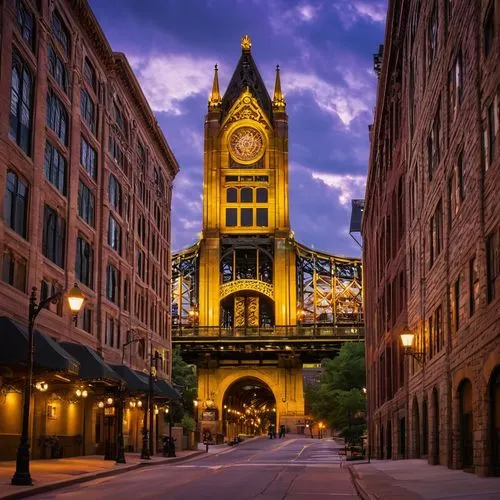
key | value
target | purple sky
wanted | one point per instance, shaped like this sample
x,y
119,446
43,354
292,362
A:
x,y
324,49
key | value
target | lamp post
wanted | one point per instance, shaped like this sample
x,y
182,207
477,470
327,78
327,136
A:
x,y
82,393
147,439
75,298
195,411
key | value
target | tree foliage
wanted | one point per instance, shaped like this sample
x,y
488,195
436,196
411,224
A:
x,y
339,398
185,380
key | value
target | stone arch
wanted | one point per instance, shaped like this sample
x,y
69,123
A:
x,y
389,439
415,421
425,427
435,408
466,423
494,422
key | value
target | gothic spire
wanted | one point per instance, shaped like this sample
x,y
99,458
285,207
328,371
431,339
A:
x,y
279,98
214,100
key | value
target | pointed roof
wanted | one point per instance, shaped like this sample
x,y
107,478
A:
x,y
246,75
215,100
278,98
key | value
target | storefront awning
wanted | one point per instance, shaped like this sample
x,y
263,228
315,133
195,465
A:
x,y
133,381
48,353
92,366
167,390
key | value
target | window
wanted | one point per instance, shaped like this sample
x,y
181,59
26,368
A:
x,y
433,145
85,320
261,195
126,295
14,271
110,331
89,74
247,217
117,154
413,195
54,236
456,190
448,7
57,69
141,228
112,284
246,195
455,319
114,235
49,289
54,167
87,110
25,24
436,337
21,103
455,83
86,203
57,117
231,195
432,37
88,158
489,31
115,194
460,176
492,263
140,264
60,32
15,206
120,117
262,217
436,233
231,217
473,286
490,132
84,264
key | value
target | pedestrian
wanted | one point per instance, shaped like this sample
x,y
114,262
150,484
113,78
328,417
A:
x,y
282,431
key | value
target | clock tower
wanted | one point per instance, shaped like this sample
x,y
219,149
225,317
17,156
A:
x,y
247,262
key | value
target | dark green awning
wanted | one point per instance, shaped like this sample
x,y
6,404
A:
x,y
133,381
48,353
92,366
167,390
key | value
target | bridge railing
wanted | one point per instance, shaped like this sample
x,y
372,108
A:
x,y
295,331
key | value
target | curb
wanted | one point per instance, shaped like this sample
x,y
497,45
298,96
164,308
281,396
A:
x,y
91,476
365,495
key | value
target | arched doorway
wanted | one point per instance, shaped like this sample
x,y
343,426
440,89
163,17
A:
x,y
382,442
248,407
466,423
435,427
494,393
425,428
416,428
402,438
389,440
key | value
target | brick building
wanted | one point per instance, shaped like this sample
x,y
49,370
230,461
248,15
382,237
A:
x,y
431,236
85,185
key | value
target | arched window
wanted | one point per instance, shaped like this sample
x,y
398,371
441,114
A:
x,y
21,103
246,195
89,74
15,207
232,195
261,195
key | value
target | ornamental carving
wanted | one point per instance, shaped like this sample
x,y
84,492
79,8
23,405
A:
x,y
246,144
255,285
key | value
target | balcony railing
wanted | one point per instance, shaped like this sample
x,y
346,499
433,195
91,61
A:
x,y
276,332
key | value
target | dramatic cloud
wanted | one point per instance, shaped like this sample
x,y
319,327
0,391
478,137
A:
x,y
345,101
351,12
169,79
287,20
349,186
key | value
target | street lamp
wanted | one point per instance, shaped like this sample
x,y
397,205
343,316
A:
x,y
407,339
75,298
195,411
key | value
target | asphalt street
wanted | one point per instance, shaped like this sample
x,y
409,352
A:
x,y
294,468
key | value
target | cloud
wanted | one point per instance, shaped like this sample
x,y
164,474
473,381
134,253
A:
x,y
169,79
344,101
351,12
349,186
286,21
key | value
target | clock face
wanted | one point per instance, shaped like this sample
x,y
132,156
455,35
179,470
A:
x,y
246,145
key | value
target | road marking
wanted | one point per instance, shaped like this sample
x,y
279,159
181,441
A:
x,y
301,451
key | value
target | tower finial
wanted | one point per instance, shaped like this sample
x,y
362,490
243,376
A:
x,y
214,100
278,99
246,43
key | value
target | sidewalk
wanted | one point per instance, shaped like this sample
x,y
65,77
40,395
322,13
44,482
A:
x,y
416,479
58,473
